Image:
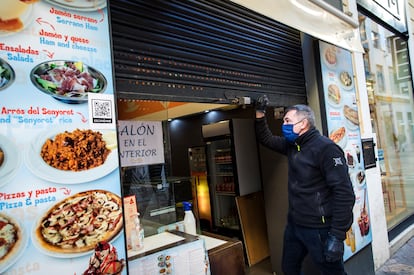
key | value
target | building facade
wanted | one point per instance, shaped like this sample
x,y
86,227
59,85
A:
x,y
375,33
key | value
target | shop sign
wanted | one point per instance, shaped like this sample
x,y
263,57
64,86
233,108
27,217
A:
x,y
392,6
391,12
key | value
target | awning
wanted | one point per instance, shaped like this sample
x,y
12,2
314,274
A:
x,y
314,17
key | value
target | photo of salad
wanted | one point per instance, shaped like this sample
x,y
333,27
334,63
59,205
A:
x,y
6,74
68,81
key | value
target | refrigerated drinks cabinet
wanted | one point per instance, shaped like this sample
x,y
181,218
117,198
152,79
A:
x,y
232,170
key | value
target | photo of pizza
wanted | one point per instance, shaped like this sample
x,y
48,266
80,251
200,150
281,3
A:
x,y
12,241
76,224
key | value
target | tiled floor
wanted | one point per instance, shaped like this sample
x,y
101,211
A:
x,y
262,268
401,263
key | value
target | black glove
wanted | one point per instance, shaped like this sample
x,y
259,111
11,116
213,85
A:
x,y
261,103
334,249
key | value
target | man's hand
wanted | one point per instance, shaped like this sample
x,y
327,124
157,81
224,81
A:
x,y
261,103
334,249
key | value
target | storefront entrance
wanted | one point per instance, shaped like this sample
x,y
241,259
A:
x,y
217,171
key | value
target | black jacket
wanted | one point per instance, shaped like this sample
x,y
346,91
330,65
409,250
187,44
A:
x,y
319,188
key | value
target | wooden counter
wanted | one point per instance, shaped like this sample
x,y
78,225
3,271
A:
x,y
226,255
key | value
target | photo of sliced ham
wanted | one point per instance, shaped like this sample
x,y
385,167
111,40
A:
x,y
68,81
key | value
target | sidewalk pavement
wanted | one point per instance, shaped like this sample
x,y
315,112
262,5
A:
x,y
401,263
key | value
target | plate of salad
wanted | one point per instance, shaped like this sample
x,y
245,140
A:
x,y
68,81
6,74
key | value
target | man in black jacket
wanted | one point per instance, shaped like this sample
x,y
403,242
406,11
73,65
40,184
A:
x,y
320,192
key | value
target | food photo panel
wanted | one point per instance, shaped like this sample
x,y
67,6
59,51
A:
x,y
60,190
342,120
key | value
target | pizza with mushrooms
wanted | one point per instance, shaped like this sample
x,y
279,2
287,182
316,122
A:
x,y
10,238
79,222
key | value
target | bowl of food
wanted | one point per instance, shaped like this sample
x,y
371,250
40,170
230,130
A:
x,y
7,74
345,79
68,81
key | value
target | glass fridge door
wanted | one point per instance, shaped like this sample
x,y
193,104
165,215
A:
x,y
223,187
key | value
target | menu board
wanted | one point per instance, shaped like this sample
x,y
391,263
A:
x,y
343,128
60,193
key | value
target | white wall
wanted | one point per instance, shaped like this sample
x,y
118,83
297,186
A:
x,y
380,242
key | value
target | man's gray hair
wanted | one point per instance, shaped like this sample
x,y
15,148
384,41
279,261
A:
x,y
304,111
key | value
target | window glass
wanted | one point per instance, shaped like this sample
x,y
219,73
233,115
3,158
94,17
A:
x,y
380,79
391,79
375,39
390,97
335,3
161,188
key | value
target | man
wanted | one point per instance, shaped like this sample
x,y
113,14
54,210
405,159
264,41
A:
x,y
320,192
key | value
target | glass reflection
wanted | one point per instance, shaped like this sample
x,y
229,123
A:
x,y
390,96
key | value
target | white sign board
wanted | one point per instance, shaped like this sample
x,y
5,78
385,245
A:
x,y
393,6
140,142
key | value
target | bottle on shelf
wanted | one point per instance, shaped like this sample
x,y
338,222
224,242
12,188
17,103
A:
x,y
189,219
137,234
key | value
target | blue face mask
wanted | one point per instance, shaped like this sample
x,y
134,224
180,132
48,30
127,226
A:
x,y
287,131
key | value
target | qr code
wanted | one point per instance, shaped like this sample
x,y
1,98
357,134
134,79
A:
x,y
101,109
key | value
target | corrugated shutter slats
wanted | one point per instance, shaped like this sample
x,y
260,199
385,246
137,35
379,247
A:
x,y
208,51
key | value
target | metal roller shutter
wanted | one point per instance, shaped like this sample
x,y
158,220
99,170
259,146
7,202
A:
x,y
205,51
